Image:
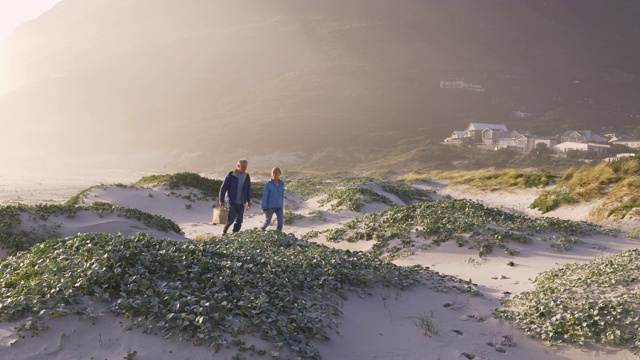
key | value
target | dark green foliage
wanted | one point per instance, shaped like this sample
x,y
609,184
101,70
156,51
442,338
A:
x,y
257,188
594,302
268,284
349,192
152,180
290,217
77,199
351,198
209,187
464,221
537,180
627,166
14,240
623,209
542,148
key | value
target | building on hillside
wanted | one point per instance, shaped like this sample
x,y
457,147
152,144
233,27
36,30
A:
x,y
619,157
476,131
455,137
515,134
600,149
550,141
491,136
506,143
611,137
525,142
460,84
521,114
631,144
582,136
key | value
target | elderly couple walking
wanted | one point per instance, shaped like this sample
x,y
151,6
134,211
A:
x,y
236,188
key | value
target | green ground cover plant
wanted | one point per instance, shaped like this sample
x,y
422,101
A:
x,y
209,187
466,222
13,239
290,217
78,198
351,192
200,187
353,198
594,302
209,292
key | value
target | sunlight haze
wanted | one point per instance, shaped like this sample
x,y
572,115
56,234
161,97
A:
x,y
197,84
15,12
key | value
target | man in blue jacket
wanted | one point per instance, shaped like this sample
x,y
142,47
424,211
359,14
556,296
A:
x,y
237,188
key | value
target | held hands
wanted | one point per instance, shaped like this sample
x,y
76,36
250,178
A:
x,y
265,211
221,203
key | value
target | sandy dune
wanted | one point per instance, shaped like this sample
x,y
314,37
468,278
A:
x,y
382,325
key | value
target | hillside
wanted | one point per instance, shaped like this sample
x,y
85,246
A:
x,y
195,84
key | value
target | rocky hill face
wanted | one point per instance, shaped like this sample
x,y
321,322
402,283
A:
x,y
196,84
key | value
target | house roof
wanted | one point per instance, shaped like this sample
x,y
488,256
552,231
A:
x,y
627,141
577,132
482,126
599,145
571,144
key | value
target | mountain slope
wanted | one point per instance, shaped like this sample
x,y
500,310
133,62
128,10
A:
x,y
198,83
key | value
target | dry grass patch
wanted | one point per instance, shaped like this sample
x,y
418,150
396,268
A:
x,y
202,237
618,183
489,179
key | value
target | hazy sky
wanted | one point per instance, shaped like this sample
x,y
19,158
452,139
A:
x,y
15,12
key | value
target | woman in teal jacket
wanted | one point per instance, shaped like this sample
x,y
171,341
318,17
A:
x,y
273,199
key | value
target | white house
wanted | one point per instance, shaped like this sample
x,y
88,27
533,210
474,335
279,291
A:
x,y
567,146
460,84
492,136
616,137
582,136
619,157
520,142
455,137
515,134
632,144
475,130
507,142
525,142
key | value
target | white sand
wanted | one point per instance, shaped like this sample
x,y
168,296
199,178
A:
x,y
380,326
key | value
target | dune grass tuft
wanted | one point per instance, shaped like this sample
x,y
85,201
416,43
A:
x,y
488,179
618,183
